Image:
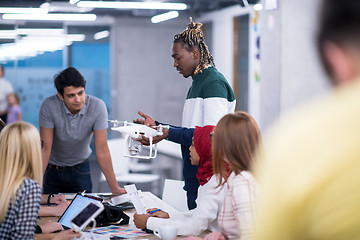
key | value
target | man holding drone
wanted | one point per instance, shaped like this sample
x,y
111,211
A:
x,y
209,98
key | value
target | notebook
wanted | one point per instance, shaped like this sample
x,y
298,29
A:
x,y
75,207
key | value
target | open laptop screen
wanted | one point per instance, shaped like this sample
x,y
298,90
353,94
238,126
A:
x,y
76,205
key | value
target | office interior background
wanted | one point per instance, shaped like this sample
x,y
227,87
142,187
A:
x,y
266,50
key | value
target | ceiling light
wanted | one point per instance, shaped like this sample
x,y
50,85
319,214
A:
x,y
132,5
101,35
41,34
27,47
258,7
73,1
45,5
76,37
7,34
40,31
164,16
23,10
51,17
12,34
64,7
30,45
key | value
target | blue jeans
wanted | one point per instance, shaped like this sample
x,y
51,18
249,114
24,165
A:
x,y
67,179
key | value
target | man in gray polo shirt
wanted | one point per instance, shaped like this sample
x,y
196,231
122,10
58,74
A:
x,y
68,120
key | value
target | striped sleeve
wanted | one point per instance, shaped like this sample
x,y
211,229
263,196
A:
x,y
244,205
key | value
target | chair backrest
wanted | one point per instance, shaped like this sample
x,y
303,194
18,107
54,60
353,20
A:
x,y
120,163
175,195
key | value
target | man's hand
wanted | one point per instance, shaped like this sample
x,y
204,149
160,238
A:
x,y
146,141
119,191
147,121
140,220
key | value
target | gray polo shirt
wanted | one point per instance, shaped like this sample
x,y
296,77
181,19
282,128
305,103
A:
x,y
72,133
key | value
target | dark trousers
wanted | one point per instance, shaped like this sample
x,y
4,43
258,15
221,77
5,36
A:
x,y
4,117
67,179
191,197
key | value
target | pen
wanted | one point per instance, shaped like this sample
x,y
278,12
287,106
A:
x,y
155,211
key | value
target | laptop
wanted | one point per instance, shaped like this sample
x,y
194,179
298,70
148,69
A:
x,y
76,206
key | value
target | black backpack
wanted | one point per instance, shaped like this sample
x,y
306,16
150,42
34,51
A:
x,y
111,215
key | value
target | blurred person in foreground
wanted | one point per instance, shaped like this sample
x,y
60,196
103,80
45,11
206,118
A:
x,y
58,210
21,178
310,175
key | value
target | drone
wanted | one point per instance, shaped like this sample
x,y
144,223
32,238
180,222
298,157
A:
x,y
133,131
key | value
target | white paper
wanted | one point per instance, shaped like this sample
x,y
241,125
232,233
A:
x,y
120,199
135,198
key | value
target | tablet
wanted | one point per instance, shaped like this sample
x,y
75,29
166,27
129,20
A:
x,y
75,207
89,213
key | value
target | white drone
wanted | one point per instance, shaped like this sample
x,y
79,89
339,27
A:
x,y
134,131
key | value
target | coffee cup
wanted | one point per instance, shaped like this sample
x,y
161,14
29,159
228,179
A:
x,y
166,232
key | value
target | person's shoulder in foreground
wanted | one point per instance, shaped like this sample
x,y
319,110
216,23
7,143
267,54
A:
x,y
20,178
309,175
22,213
311,151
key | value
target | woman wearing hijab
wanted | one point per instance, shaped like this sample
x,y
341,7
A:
x,y
236,139
210,198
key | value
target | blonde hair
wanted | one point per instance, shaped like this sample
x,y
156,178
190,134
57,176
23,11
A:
x,y
20,158
236,138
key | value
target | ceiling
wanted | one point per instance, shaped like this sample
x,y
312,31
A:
x,y
195,7
105,17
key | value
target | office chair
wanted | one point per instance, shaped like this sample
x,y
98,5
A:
x,y
121,167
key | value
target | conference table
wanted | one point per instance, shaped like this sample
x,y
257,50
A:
x,y
149,200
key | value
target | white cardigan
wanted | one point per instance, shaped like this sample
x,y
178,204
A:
x,y
204,216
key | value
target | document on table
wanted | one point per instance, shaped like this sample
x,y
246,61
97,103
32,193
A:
x,y
135,198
